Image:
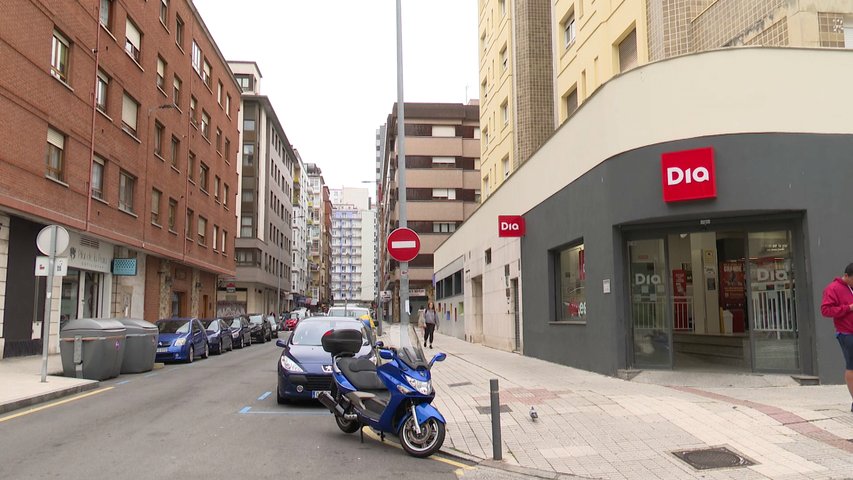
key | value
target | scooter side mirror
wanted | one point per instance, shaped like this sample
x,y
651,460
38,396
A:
x,y
281,343
380,344
386,354
439,357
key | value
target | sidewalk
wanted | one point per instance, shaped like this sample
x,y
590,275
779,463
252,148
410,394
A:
x,y
21,382
596,426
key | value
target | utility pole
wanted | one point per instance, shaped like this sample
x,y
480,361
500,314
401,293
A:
x,y
401,167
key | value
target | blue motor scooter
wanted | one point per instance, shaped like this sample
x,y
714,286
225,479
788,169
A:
x,y
394,398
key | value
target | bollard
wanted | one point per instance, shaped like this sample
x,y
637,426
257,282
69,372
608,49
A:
x,y
496,419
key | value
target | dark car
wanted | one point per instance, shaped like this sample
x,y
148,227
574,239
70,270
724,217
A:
x,y
181,340
260,328
218,335
241,331
304,368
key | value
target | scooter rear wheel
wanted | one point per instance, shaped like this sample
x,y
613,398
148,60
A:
x,y
428,442
347,426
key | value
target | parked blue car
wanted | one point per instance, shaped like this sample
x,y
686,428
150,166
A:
x,y
181,340
218,335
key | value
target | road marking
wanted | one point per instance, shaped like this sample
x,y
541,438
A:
x,y
149,375
264,396
54,404
285,412
404,244
245,410
123,382
369,433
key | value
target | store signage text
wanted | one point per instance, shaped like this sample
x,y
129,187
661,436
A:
x,y
640,279
767,275
688,175
511,226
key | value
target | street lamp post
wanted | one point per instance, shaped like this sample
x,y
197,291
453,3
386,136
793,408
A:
x,y
401,164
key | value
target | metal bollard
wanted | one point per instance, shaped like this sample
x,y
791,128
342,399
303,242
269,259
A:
x,y
496,420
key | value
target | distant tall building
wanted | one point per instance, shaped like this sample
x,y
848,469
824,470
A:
x,y
353,245
265,209
300,273
319,238
442,185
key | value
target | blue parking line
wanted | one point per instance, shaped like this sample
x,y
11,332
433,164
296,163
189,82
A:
x,y
265,395
123,382
245,410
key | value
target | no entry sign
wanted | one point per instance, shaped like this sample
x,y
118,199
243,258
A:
x,y
403,245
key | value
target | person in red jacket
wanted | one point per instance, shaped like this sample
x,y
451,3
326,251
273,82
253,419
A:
x,y
837,304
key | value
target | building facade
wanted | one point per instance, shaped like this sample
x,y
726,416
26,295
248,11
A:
x,y
320,239
299,272
263,246
442,185
353,246
124,132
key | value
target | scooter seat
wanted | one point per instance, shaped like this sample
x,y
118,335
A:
x,y
361,373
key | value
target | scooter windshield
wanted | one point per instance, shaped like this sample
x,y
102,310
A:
x,y
410,351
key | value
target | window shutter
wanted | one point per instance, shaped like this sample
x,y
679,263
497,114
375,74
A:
x,y
628,52
161,67
129,111
132,34
55,138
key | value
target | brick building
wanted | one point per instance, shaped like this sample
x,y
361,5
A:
x,y
118,122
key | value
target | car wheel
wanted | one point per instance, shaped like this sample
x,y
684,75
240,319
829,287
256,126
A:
x,y
206,352
191,355
250,342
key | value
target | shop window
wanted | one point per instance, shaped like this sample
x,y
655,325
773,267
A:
x,y
488,256
570,269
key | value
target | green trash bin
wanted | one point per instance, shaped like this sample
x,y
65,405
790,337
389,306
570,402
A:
x,y
92,348
141,346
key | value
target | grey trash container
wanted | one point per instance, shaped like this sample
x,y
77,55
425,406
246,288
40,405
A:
x,y
97,345
141,346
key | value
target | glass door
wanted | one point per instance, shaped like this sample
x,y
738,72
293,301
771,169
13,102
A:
x,y
772,302
652,329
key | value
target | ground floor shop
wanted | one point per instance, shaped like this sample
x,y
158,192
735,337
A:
x,y
235,297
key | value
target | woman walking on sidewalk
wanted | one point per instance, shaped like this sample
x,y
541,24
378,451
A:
x,y
431,322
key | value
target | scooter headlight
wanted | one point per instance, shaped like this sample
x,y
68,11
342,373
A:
x,y
424,387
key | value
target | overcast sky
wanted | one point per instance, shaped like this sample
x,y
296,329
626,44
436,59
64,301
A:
x,y
330,67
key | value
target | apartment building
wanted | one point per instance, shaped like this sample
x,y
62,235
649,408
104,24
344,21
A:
x,y
442,185
319,239
353,245
265,207
299,273
119,123
676,277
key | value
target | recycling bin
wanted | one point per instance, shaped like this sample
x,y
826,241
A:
x,y
140,347
92,348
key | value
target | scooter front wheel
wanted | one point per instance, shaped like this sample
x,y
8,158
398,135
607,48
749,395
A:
x,y
427,442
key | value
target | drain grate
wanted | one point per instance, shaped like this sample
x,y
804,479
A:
x,y
487,409
460,384
710,458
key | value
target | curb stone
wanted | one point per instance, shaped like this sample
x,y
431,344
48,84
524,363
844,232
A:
x,y
46,397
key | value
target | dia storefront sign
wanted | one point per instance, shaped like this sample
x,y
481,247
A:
x,y
688,175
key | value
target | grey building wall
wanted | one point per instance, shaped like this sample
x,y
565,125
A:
x,y
802,177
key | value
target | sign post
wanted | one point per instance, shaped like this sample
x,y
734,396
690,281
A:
x,y
52,240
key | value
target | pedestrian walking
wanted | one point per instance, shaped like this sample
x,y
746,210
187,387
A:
x,y
838,304
431,322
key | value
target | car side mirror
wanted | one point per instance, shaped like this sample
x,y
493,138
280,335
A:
x,y
386,354
281,343
439,357
380,344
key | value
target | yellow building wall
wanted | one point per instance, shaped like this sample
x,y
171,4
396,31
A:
x,y
593,58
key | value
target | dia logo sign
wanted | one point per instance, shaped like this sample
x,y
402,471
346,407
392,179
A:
x,y
688,175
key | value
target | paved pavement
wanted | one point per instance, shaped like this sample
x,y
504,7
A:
x,y
595,426
21,382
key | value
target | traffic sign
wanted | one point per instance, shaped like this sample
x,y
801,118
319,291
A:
x,y
45,238
403,244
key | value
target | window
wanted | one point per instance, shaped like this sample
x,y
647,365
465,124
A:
x,y
248,154
225,195
446,193
502,4
215,236
224,242
101,91
161,73
505,112
570,268
98,166
569,30
227,150
219,140
164,11
245,82
191,167
505,166
202,230
205,124
193,117
179,32
571,103
444,161
248,195
504,59
477,196
246,226
176,93
443,227
206,74
129,112
216,183
188,230
156,195
59,57
106,14
133,40
55,155
173,215
628,52
196,58
175,152
159,131
443,131
219,92
248,124
488,256
203,174
126,186
228,104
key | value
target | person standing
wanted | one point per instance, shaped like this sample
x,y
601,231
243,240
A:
x,y
838,304
431,323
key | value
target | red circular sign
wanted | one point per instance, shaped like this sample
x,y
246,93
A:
x,y
403,244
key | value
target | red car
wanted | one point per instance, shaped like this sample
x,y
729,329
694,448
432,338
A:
x,y
290,323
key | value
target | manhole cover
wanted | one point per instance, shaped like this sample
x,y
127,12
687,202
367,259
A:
x,y
487,410
461,384
709,458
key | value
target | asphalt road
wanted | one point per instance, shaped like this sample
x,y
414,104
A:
x,y
215,418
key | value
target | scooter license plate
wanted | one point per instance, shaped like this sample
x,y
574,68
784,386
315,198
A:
x,y
316,393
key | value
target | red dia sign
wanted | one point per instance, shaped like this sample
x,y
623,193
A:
x,y
511,226
688,175
403,244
